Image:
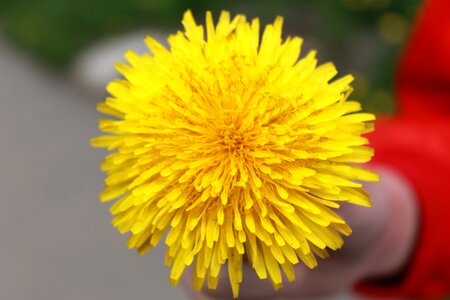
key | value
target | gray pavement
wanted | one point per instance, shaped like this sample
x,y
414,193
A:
x,y
56,241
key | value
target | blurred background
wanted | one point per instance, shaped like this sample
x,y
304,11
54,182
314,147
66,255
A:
x,y
55,60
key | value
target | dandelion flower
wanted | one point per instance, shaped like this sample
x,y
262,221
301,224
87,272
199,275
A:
x,y
234,146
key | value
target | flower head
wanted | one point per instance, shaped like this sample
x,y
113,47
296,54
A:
x,y
234,146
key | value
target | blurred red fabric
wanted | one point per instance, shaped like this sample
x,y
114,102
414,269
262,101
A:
x,y
417,143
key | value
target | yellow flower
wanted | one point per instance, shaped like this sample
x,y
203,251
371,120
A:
x,y
234,146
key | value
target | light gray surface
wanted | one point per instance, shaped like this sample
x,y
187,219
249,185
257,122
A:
x,y
56,239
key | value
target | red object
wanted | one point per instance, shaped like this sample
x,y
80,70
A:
x,y
417,143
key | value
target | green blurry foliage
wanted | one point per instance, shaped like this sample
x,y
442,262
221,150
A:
x,y
362,37
56,30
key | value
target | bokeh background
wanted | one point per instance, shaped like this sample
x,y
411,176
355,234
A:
x,y
55,60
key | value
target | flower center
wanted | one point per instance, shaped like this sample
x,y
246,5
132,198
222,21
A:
x,y
233,140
